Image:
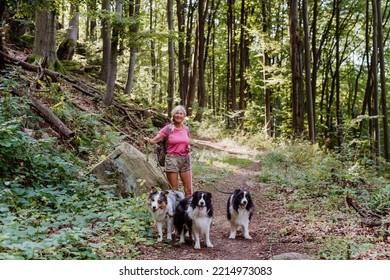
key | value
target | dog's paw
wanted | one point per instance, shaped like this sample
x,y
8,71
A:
x,y
210,245
159,239
247,237
232,236
197,246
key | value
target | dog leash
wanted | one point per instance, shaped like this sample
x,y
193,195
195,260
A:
x,y
205,174
191,158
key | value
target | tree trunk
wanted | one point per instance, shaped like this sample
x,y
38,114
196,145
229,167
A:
x,y
193,75
152,54
67,47
171,54
190,74
386,136
133,13
45,37
180,13
243,60
309,94
2,9
105,34
113,57
90,23
202,99
266,61
296,70
375,104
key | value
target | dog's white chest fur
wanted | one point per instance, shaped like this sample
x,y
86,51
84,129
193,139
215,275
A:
x,y
200,220
241,217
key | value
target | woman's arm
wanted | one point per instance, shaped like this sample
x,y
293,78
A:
x,y
154,140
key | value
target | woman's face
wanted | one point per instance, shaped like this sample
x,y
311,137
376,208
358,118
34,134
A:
x,y
179,116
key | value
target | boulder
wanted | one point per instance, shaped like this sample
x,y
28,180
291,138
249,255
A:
x,y
290,256
127,168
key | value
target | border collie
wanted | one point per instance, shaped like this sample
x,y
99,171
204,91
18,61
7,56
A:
x,y
162,205
195,214
239,212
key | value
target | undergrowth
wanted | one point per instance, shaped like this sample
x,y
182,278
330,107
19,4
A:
x,y
315,184
49,207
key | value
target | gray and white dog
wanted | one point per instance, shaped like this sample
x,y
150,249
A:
x,y
162,205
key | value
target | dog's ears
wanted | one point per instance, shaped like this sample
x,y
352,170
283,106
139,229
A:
x,y
165,193
153,190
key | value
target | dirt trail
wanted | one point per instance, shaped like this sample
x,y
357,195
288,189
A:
x,y
269,217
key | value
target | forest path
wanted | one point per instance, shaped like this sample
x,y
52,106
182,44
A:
x,y
269,218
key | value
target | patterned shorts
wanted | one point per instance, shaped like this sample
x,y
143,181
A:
x,y
176,163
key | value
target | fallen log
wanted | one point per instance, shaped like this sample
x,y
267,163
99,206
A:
x,y
368,217
48,115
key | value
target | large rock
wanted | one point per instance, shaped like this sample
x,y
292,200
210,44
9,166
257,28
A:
x,y
126,167
290,256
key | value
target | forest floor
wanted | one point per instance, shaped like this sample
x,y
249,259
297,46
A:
x,y
270,217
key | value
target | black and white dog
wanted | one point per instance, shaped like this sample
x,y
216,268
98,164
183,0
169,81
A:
x,y
162,205
239,212
195,214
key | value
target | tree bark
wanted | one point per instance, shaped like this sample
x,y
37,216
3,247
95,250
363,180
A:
x,y
2,9
296,70
171,54
107,99
386,136
67,47
309,94
105,34
202,99
375,103
133,13
45,36
268,124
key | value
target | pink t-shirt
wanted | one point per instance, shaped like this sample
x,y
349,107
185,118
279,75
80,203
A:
x,y
178,140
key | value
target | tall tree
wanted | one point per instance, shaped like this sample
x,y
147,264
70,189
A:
x,y
266,63
296,70
45,36
152,52
171,55
231,98
375,101
108,96
105,34
67,47
243,61
2,9
309,94
202,98
182,75
385,122
134,7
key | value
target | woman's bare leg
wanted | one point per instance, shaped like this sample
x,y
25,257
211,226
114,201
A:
x,y
186,178
173,179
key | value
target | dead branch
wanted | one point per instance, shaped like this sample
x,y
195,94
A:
x,y
368,217
48,115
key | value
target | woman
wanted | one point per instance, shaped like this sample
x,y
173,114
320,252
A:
x,y
177,161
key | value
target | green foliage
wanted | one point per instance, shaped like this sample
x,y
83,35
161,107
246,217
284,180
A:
x,y
48,208
312,173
